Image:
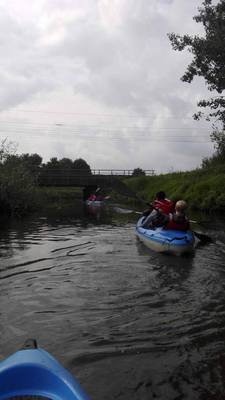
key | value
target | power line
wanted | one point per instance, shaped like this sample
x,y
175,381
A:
x,y
66,125
137,115
90,138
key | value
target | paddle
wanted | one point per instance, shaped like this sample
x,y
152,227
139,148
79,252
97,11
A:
x,y
202,237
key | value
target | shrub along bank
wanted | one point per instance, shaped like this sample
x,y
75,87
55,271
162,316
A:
x,y
203,189
18,193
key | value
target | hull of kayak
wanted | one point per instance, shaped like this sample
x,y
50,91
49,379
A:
x,y
34,372
165,241
95,203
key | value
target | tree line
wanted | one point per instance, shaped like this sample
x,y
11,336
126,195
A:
x,y
19,177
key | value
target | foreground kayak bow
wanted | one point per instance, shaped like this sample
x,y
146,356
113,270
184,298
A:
x,y
32,373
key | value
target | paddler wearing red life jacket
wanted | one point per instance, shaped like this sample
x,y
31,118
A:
x,y
92,197
157,212
178,221
162,203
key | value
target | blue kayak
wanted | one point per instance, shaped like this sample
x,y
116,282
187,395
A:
x,y
165,241
33,373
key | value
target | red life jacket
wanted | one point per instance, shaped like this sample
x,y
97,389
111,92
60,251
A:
x,y
92,197
165,205
182,225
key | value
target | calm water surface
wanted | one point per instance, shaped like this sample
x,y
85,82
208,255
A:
x,y
127,322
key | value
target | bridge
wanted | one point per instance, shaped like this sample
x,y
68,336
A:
x,y
82,177
89,180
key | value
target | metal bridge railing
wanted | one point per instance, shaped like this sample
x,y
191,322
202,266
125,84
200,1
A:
x,y
120,172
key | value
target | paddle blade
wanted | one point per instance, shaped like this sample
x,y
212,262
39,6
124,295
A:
x,y
202,237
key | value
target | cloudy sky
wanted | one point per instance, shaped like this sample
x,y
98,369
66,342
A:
x,y
98,79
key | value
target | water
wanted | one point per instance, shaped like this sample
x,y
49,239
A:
x,y
127,322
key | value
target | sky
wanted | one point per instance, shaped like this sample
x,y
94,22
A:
x,y
99,80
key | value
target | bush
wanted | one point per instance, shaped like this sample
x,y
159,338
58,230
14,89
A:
x,y
138,172
17,190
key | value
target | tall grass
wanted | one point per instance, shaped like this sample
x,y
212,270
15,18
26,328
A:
x,y
203,189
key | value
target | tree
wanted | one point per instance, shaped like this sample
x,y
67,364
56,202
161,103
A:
x,y
208,60
66,163
138,172
31,162
6,149
81,164
52,164
17,189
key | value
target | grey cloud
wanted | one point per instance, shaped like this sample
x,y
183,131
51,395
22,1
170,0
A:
x,y
129,67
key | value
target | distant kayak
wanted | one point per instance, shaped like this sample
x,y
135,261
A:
x,y
31,372
165,241
95,203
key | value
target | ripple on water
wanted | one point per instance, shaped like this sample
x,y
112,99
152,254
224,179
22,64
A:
x,y
114,311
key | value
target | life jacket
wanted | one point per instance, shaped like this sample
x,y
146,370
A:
x,y
165,205
92,197
180,223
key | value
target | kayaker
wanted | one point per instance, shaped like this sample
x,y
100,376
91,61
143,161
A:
x,y
161,202
155,220
161,205
178,221
173,221
99,195
92,197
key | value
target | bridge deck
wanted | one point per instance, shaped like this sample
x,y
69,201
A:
x,y
79,178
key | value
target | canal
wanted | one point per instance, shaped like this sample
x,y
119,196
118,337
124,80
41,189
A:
x,y
127,322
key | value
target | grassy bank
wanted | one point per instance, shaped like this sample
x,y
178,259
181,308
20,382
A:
x,y
203,189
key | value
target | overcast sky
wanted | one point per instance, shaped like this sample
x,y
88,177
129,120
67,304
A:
x,y
98,80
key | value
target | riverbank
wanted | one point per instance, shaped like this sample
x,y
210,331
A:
x,y
203,189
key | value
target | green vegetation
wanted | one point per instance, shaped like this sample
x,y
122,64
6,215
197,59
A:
x,y
67,164
17,181
58,198
208,60
19,193
138,172
203,189
208,57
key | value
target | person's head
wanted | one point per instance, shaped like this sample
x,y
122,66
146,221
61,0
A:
x,y
180,206
160,195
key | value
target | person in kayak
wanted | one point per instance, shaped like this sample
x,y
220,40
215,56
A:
x,y
172,221
161,205
178,220
92,197
161,202
99,195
